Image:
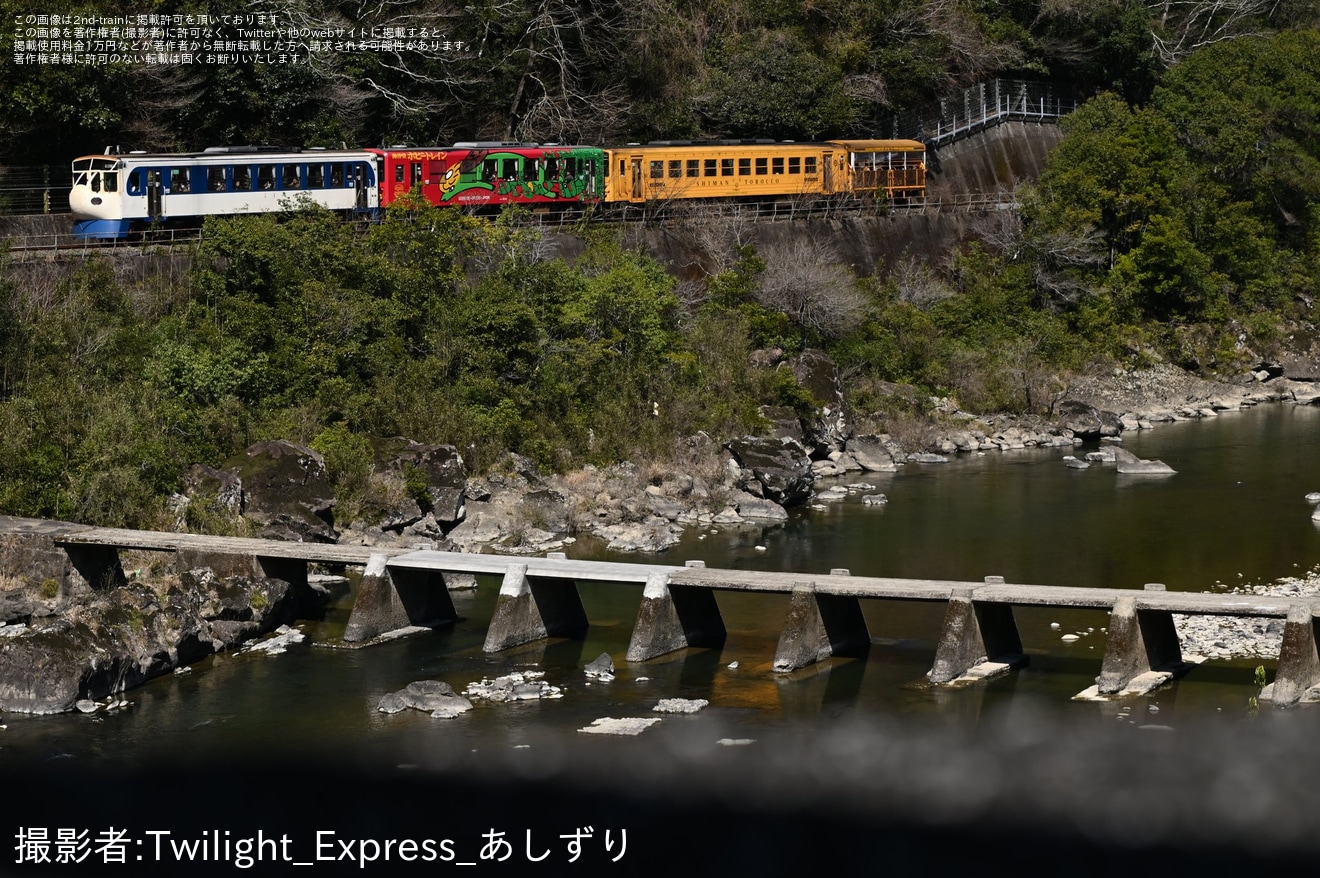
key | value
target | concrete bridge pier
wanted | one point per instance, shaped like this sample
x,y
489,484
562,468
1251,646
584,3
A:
x,y
820,626
97,564
673,617
1142,652
532,607
392,598
1299,661
978,640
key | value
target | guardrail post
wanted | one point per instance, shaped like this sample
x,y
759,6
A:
x,y
1299,663
1140,641
976,632
674,617
820,626
392,598
532,608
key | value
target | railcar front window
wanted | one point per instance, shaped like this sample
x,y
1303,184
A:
x,y
96,182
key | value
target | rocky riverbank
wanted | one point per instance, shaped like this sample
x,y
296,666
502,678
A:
x,y
63,639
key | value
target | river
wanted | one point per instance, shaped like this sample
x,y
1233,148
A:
x,y
1234,512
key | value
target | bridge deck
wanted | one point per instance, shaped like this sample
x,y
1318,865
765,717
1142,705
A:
x,y
539,598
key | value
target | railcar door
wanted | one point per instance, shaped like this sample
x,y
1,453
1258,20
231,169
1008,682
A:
x,y
155,195
638,193
360,184
827,173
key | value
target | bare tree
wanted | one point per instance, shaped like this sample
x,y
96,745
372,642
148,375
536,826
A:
x,y
1179,27
919,284
808,281
974,53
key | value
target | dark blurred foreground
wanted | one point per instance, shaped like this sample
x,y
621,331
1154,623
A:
x,y
1020,793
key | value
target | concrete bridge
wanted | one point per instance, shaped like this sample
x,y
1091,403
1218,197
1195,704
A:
x,y
539,598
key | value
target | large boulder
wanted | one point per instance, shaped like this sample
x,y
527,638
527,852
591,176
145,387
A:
x,y
442,470
873,454
1087,422
777,469
832,424
126,635
286,491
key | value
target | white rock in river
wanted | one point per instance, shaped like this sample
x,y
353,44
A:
x,y
1069,638
680,705
1313,497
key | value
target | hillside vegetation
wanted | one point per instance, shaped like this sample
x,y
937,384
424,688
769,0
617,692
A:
x,y
1178,221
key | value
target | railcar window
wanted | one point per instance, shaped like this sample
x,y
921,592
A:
x,y
435,168
266,177
316,176
744,167
243,178
621,167
794,164
552,169
762,166
416,173
179,180
336,176
215,179
529,169
292,179
726,167
657,170
96,182
709,168
694,167
810,166
488,170
777,166
675,168
510,169
134,182
398,173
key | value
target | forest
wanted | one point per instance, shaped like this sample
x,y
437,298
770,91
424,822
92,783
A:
x,y
1178,221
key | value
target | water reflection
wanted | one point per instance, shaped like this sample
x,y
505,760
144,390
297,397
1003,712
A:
x,y
1235,506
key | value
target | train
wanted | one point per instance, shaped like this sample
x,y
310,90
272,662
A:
x,y
117,195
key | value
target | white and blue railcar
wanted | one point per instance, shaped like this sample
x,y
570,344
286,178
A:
x,y
114,195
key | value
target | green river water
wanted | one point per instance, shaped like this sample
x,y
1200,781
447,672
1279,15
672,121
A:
x,y
1234,512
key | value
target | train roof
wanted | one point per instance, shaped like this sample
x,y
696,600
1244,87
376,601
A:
x,y
881,145
773,146
226,154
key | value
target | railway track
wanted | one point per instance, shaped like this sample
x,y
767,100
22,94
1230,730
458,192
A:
x,y
53,247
